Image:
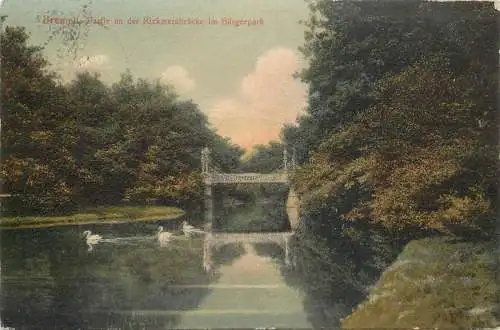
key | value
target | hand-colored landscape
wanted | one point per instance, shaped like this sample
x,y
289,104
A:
x,y
285,164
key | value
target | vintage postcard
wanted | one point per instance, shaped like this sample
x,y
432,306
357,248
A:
x,y
249,164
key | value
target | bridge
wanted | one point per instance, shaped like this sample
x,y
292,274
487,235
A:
x,y
227,178
212,176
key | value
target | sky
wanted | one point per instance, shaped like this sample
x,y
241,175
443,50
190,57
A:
x,y
241,77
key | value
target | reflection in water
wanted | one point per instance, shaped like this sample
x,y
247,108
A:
x,y
129,280
249,293
214,241
91,239
49,280
267,216
190,231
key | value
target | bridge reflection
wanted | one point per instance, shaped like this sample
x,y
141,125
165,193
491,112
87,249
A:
x,y
214,241
213,176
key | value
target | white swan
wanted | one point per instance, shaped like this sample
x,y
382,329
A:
x,y
164,237
91,239
188,230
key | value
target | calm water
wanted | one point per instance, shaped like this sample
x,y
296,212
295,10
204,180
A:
x,y
50,279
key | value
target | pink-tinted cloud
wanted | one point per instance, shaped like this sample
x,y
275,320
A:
x,y
268,97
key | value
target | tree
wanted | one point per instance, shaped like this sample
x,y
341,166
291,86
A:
x,y
418,153
351,46
87,143
225,154
265,158
94,127
37,136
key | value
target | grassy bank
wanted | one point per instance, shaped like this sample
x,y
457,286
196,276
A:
x,y
104,214
435,283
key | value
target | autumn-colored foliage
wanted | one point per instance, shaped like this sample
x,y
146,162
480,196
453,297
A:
x,y
410,144
84,143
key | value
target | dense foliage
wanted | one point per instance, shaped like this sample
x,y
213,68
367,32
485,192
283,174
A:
x,y
86,143
264,158
401,128
399,142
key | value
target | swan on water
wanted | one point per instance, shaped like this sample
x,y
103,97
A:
x,y
91,239
164,237
188,230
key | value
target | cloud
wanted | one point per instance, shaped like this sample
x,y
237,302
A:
x,y
179,77
92,63
268,97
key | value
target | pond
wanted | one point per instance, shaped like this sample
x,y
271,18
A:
x,y
51,279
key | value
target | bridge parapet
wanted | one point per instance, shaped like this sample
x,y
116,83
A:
x,y
211,174
214,178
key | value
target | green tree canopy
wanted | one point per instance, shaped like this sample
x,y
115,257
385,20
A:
x,y
37,136
264,158
86,143
402,114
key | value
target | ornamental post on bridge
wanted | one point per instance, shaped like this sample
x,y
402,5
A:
x,y
205,161
207,180
285,159
292,202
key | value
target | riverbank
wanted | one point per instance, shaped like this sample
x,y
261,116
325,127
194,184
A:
x,y
103,214
435,283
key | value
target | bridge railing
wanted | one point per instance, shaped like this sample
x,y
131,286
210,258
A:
x,y
212,178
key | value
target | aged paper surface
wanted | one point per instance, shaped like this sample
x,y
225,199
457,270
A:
x,y
248,164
